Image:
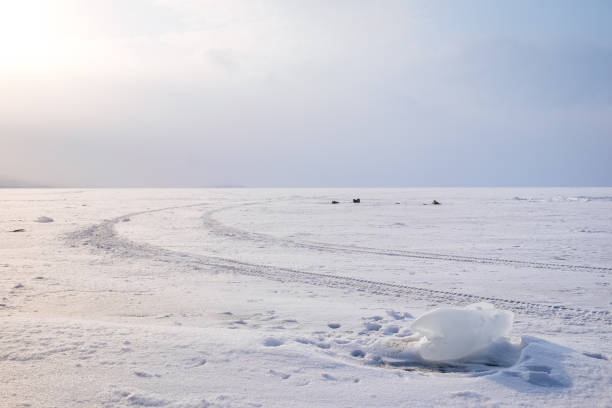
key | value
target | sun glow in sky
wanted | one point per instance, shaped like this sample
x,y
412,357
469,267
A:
x,y
30,35
294,93
22,34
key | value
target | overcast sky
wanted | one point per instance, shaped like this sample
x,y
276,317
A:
x,y
306,93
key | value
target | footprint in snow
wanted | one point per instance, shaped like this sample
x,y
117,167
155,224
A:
x,y
371,326
197,362
279,374
398,315
329,377
598,356
142,374
391,330
471,395
273,342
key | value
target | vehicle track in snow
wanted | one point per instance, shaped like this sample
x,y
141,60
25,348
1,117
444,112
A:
x,y
104,237
219,228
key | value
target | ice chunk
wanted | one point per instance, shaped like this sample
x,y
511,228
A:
x,y
452,333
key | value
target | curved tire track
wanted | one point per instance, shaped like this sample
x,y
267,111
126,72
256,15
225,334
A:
x,y
104,237
221,229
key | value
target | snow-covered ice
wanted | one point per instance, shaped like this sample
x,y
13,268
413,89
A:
x,y
275,297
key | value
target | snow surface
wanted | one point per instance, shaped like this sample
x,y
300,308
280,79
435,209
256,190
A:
x,y
244,298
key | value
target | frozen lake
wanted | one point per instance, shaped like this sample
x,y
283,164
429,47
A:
x,y
276,297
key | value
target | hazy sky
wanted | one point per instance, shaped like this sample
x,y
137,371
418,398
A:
x,y
306,93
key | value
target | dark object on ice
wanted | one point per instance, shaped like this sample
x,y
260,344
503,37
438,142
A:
x,y
434,202
18,230
397,202
356,200
18,286
335,202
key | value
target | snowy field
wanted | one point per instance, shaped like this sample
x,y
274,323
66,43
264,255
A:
x,y
277,298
